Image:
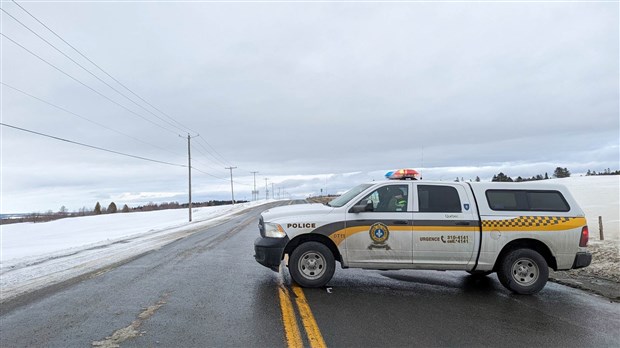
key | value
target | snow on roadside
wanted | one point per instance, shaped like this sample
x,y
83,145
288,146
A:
x,y
605,261
34,240
39,255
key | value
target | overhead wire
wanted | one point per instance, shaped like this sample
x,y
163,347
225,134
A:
x,y
91,146
90,72
118,152
217,155
217,177
101,69
188,129
85,85
201,153
221,158
85,118
213,152
209,174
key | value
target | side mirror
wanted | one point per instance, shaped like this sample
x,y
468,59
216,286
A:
x,y
362,207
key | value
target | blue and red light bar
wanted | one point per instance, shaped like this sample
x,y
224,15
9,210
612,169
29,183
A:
x,y
403,174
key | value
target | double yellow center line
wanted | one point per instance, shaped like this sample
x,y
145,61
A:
x,y
291,329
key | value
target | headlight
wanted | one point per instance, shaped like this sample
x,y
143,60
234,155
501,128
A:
x,y
274,230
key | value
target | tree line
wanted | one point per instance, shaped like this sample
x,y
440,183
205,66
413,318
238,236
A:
x,y
604,172
112,208
559,172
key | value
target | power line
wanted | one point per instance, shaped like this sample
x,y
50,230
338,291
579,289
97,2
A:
x,y
206,157
85,85
100,68
88,71
221,158
209,174
91,146
219,178
84,118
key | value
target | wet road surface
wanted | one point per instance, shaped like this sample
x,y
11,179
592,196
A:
x,y
207,290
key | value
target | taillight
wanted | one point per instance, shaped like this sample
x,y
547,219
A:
x,y
585,235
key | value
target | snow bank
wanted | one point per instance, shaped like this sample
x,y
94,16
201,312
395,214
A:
x,y
32,240
33,256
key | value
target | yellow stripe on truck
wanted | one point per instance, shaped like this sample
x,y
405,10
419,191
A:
x,y
519,224
533,223
340,235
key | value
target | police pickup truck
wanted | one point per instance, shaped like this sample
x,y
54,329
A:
x,y
518,230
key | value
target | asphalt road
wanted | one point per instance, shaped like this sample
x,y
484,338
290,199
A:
x,y
207,290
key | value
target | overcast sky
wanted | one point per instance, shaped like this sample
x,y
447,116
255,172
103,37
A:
x,y
311,95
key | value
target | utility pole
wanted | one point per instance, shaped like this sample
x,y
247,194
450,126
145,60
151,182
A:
x,y
232,191
254,193
266,189
273,192
189,168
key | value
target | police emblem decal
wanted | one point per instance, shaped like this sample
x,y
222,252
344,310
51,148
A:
x,y
379,233
466,206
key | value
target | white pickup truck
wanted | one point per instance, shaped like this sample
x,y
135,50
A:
x,y
518,230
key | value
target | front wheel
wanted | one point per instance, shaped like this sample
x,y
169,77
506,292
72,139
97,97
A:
x,y
312,265
523,271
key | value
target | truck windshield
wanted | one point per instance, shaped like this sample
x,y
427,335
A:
x,y
349,195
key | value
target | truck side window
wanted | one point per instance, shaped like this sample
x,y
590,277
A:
x,y
438,199
526,200
391,198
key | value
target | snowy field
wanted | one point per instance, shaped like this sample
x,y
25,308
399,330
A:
x,y
597,196
33,256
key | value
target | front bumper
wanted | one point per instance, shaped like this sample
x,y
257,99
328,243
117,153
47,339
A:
x,y
268,251
582,260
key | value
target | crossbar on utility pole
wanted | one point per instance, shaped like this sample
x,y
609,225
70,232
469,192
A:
x,y
232,191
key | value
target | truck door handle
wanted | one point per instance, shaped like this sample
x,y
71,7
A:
x,y
401,222
462,223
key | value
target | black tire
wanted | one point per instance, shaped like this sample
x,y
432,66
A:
x,y
523,271
311,265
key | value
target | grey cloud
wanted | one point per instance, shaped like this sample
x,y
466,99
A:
x,y
302,88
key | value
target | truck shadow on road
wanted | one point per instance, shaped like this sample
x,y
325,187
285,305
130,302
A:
x,y
461,281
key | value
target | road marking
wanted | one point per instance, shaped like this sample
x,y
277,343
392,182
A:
x,y
132,331
312,329
291,329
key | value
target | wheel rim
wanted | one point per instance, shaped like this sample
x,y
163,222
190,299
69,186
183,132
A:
x,y
311,265
525,271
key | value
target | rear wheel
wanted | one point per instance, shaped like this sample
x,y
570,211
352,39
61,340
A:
x,y
312,265
523,271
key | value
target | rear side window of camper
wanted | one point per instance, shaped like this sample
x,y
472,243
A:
x,y
526,200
